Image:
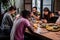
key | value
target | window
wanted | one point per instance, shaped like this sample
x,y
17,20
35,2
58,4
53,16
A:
x,y
37,4
27,4
47,3
33,3
41,4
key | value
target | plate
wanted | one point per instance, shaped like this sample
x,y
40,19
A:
x,y
51,28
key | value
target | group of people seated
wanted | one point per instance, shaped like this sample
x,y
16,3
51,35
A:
x,y
47,16
17,25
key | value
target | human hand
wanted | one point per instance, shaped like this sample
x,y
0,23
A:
x,y
32,14
17,16
44,21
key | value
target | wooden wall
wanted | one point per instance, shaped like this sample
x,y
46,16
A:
x,y
57,5
28,4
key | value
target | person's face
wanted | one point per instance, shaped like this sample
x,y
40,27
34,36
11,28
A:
x,y
46,12
13,11
59,12
34,10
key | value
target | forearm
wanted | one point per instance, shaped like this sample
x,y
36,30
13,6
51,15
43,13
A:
x,y
36,17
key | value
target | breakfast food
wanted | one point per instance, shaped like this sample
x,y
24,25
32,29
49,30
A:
x,y
35,26
49,28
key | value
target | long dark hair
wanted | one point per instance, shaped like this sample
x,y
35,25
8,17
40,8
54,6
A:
x,y
46,9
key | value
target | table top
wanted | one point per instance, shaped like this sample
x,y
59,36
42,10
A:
x,y
51,35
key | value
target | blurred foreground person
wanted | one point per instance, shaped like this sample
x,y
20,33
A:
x,y
59,13
19,27
7,21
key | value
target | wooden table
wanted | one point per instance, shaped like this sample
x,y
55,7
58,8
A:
x,y
51,35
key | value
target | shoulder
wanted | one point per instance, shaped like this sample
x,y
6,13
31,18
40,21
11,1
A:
x,y
26,20
38,12
6,14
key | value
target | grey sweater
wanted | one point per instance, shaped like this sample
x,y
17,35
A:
x,y
7,21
